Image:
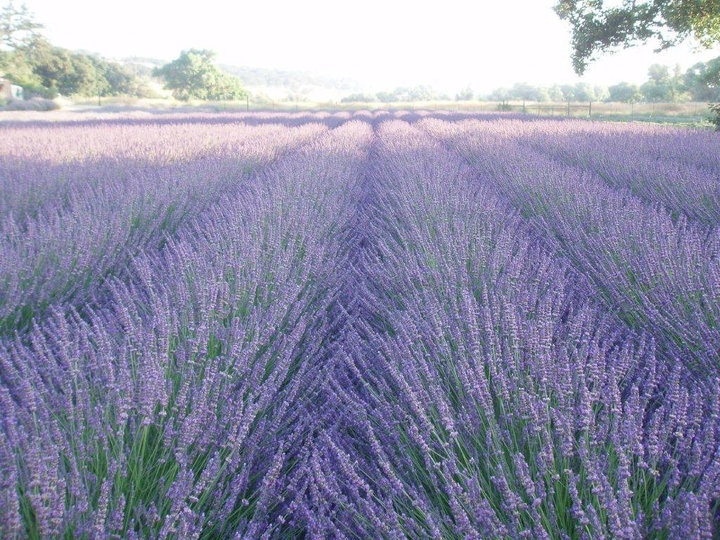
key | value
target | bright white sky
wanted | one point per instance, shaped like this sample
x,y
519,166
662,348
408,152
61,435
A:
x,y
381,43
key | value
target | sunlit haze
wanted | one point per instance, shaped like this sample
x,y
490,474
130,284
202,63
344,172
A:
x,y
380,44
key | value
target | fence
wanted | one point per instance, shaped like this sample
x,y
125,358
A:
x,y
691,111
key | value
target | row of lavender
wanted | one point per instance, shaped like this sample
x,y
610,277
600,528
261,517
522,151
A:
x,y
496,398
651,262
78,200
362,338
679,172
74,213
168,410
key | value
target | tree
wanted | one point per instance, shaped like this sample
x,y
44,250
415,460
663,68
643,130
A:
x,y
555,93
29,60
501,94
46,71
715,110
415,93
568,92
386,97
584,92
661,85
466,94
359,97
116,79
18,28
194,76
702,80
526,92
64,72
18,34
624,93
597,27
659,73
600,92
654,92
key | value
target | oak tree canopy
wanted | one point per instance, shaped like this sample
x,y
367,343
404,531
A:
x,y
599,26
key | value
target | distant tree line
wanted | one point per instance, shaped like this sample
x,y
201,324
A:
x,y
699,83
42,69
48,71
296,81
400,94
599,26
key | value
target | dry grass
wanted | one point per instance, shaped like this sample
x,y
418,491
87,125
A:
x,y
694,114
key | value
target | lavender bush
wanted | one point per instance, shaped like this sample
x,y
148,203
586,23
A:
x,y
356,325
661,275
71,219
504,403
655,167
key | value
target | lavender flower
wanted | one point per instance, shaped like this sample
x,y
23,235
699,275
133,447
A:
x,y
404,324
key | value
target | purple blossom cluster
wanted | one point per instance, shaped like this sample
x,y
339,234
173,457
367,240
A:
x,y
356,325
73,215
679,173
658,270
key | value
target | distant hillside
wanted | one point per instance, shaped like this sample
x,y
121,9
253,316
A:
x,y
141,65
277,84
293,80
271,84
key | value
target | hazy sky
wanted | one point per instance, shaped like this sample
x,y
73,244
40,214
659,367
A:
x,y
382,43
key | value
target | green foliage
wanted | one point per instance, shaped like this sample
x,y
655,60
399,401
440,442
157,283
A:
x,y
43,70
113,78
654,92
466,94
18,28
584,92
52,70
65,72
702,81
664,85
415,93
499,94
524,91
34,104
624,93
555,93
715,110
387,97
597,27
580,91
358,98
194,76
568,92
661,86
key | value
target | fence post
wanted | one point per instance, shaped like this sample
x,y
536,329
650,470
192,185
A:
x,y
568,107
590,110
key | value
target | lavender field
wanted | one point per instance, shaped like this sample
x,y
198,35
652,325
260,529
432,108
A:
x,y
358,325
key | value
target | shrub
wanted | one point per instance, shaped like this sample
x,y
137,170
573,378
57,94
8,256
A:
x,y
34,104
715,119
